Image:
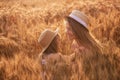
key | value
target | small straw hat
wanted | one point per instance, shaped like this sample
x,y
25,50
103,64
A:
x,y
46,38
80,17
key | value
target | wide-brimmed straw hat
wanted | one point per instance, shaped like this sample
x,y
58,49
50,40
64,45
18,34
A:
x,y
80,17
46,38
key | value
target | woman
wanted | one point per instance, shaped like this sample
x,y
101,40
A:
x,y
91,55
77,28
53,64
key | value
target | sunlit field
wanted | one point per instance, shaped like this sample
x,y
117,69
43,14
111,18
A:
x,y
21,23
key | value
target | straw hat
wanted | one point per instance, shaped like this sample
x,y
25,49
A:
x,y
46,38
80,17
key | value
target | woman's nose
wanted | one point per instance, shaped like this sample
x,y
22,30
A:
x,y
70,33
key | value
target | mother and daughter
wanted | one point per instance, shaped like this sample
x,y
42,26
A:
x,y
88,54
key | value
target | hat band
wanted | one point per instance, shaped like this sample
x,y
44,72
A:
x,y
78,19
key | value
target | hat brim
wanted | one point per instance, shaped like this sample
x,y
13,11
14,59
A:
x,y
56,32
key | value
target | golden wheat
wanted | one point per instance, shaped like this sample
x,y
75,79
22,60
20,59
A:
x,y
21,23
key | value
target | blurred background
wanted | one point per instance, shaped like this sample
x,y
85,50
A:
x,y
22,21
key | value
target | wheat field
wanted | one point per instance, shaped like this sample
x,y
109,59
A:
x,y
21,23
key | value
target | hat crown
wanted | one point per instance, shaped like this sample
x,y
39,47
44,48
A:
x,y
45,37
80,17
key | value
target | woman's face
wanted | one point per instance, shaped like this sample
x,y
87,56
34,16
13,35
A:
x,y
68,31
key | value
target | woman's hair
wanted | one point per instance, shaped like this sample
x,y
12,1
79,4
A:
x,y
53,47
82,35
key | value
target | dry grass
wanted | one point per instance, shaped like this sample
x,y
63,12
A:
x,y
21,23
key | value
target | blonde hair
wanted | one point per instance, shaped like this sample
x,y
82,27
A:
x,y
83,36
